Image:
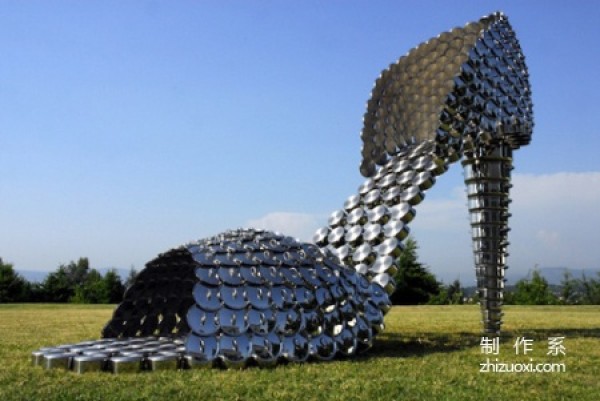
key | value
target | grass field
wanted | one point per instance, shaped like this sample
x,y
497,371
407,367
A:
x,y
426,353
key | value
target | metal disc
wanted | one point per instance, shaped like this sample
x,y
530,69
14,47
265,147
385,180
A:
x,y
391,247
207,297
231,275
234,297
320,237
382,265
412,195
258,297
251,275
235,350
204,349
357,217
261,321
337,218
272,275
202,322
336,236
323,347
208,275
305,297
352,202
396,229
367,186
233,322
362,254
403,212
295,348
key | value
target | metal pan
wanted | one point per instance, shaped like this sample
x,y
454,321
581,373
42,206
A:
x,y
202,322
207,298
232,322
261,321
235,350
234,297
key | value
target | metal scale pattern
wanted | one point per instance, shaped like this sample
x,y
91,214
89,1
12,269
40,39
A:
x,y
367,233
247,297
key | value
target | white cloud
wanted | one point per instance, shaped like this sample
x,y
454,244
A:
x,y
555,220
298,225
441,228
557,190
449,214
548,238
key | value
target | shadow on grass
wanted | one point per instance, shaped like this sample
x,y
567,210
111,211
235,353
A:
x,y
399,346
539,334
403,346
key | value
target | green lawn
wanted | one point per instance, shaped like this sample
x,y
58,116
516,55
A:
x,y
426,353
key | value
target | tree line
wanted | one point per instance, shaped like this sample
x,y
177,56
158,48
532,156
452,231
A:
x,y
571,291
415,285
74,282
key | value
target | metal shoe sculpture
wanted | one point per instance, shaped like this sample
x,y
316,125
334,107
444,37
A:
x,y
256,297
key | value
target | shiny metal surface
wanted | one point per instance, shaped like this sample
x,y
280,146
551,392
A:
x,y
337,218
89,363
488,182
357,217
372,198
379,215
58,360
131,363
373,233
479,67
477,108
352,202
354,235
396,229
164,361
253,296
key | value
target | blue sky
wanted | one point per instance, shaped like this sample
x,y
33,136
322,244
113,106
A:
x,y
128,128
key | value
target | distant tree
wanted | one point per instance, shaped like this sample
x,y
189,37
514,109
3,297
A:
x,y
568,292
77,272
455,293
61,285
508,296
535,291
77,282
114,287
451,294
92,291
590,290
130,277
37,293
57,287
13,287
414,283
474,299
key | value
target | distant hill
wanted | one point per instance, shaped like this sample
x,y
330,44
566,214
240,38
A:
x,y
37,276
33,276
554,275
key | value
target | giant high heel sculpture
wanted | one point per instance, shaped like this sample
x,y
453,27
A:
x,y
250,296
